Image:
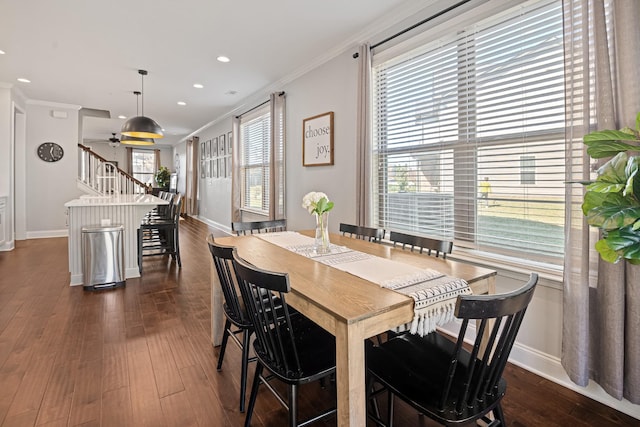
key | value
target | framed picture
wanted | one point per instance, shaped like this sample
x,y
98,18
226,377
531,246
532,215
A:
x,y
222,167
214,148
208,150
230,143
202,150
203,169
214,168
222,145
229,163
317,140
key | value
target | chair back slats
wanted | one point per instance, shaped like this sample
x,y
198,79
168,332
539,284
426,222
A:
x,y
439,247
223,262
273,328
251,227
361,232
482,372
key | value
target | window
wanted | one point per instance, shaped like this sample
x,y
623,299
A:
x,y
144,165
527,170
255,131
482,101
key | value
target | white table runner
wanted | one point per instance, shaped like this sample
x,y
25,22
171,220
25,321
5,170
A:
x,y
433,292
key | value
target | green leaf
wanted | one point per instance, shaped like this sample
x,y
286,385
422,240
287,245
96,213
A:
x,y
593,199
607,143
638,122
625,241
633,178
615,170
605,187
612,217
606,252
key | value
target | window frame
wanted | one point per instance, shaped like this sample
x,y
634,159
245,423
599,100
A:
x,y
262,117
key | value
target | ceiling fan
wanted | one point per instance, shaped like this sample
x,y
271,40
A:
x,y
113,141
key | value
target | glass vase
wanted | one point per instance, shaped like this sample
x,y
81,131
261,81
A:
x,y
322,233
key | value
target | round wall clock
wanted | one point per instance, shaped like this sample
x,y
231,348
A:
x,y
50,151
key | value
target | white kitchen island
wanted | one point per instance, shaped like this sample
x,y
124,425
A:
x,y
90,211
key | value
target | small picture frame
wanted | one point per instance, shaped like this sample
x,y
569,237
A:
x,y
208,150
202,150
317,140
229,163
214,168
222,167
203,169
230,143
222,145
214,148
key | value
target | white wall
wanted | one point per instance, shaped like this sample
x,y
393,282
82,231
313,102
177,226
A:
x,y
50,185
119,153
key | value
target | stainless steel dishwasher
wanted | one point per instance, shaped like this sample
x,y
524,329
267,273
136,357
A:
x,y
103,257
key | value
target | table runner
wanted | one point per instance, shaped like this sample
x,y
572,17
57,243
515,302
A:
x,y
434,293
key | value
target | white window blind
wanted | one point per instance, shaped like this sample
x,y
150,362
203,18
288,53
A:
x,y
482,101
255,131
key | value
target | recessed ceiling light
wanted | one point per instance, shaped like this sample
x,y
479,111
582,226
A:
x,y
1,52
122,117
232,92
23,80
198,86
182,103
223,59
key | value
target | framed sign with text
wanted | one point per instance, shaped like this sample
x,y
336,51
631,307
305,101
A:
x,y
317,140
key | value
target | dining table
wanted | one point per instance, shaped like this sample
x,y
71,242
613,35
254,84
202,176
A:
x,y
349,307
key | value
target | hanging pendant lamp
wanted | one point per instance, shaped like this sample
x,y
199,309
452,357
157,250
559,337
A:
x,y
141,126
132,140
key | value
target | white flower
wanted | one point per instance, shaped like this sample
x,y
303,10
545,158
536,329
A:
x,y
311,202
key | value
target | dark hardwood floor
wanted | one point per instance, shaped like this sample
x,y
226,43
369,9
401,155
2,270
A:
x,y
141,355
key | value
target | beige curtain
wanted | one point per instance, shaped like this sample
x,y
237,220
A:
x,y
191,177
277,178
363,138
601,310
129,160
236,179
156,156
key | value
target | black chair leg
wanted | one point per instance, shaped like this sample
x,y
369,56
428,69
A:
x,y
293,405
246,338
497,412
140,250
223,345
389,408
254,394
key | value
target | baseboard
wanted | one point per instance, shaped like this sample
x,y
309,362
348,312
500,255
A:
x,y
549,367
213,224
8,246
47,234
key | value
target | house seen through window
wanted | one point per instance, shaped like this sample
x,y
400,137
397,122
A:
x,y
144,165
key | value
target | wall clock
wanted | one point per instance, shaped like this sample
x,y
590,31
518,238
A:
x,y
50,151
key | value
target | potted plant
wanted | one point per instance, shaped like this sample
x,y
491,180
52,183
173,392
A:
x,y
162,177
612,201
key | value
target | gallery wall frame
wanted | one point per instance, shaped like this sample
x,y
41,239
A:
x,y
317,140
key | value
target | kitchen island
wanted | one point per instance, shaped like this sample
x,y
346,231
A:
x,y
91,211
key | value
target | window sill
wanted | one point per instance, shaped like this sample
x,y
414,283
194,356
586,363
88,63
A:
x,y
552,273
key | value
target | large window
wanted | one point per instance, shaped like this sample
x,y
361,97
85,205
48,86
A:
x,y
255,131
144,165
484,101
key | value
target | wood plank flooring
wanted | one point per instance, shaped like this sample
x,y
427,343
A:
x,y
141,355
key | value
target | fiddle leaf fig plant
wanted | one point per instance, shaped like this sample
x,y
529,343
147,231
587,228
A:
x,y
612,201
162,177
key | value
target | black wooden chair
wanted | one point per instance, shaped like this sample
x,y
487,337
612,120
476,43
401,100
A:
x,y
160,235
251,227
361,232
438,247
442,379
237,320
293,349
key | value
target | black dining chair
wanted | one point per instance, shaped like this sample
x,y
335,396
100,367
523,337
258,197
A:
x,y
160,235
293,349
443,379
251,227
361,232
237,320
437,246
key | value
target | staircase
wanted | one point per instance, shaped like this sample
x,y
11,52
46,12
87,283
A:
x,y
99,177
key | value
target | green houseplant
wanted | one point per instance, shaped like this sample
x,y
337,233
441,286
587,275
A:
x,y
612,201
162,177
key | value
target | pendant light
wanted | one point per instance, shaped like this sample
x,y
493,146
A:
x,y
132,140
141,126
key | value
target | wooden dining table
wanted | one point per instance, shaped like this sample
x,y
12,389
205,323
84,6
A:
x,y
349,307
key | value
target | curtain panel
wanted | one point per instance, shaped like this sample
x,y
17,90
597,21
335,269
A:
x,y
363,138
601,307
191,176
